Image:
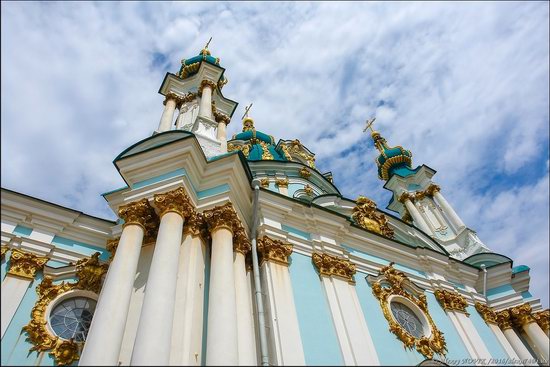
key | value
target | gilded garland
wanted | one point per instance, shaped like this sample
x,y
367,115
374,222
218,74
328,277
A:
x,y
391,282
90,273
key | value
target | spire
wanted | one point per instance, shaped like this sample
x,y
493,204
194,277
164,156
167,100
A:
x,y
205,51
248,123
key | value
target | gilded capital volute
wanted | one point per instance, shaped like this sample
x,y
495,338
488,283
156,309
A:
x,y
451,301
406,196
521,315
504,319
330,265
487,313
139,213
196,226
223,216
432,189
25,264
241,243
175,201
274,250
543,319
206,83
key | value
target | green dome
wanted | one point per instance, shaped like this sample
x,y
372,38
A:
x,y
396,160
190,67
257,146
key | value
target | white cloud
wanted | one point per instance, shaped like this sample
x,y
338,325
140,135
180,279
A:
x,y
464,86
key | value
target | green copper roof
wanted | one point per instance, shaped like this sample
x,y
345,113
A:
x,y
257,145
392,160
190,67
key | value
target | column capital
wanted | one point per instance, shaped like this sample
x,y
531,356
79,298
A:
x,y
222,216
206,83
220,116
241,243
419,195
171,96
451,301
521,315
487,313
175,201
111,246
139,213
196,226
406,196
274,250
25,264
282,182
543,319
264,182
432,189
330,265
504,319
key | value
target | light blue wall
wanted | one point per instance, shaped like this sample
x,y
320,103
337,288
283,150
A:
x,y
22,231
456,350
292,188
318,334
497,292
486,334
390,350
80,247
296,232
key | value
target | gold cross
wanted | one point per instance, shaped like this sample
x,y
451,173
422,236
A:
x,y
247,108
207,43
369,124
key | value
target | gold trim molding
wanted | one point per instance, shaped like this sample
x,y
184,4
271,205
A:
x,y
393,282
175,201
25,264
451,301
487,313
90,273
330,265
274,250
364,214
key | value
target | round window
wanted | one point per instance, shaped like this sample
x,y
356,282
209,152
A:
x,y
71,318
407,319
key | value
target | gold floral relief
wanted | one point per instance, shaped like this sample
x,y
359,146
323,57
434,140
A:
x,y
392,282
521,315
330,265
175,201
89,272
365,215
543,319
25,264
451,301
140,213
487,313
274,250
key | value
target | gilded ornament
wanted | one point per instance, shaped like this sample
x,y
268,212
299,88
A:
x,y
219,116
521,315
407,217
543,319
487,313
286,153
223,216
196,226
175,201
282,182
3,251
305,173
330,265
241,243
206,83
504,319
25,264
264,182
451,301
406,196
308,189
89,273
274,250
140,213
112,245
171,96
248,124
432,189
365,215
419,195
392,282
266,154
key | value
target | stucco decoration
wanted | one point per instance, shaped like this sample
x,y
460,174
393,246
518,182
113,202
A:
x,y
391,282
90,275
365,215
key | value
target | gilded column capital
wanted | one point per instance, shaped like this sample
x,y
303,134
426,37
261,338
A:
x,y
175,201
274,250
334,266
451,301
223,216
112,245
264,182
3,251
543,319
171,96
241,243
504,319
206,83
220,116
406,196
487,313
90,273
407,217
196,226
139,213
432,189
419,195
25,264
305,173
521,315
282,182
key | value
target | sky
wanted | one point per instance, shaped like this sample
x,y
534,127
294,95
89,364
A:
x,y
463,85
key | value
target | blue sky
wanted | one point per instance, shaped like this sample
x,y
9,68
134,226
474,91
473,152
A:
x,y
464,87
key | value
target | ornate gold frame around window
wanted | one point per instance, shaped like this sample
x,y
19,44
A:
x,y
393,282
90,273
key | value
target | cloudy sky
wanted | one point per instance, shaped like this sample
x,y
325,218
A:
x,y
464,86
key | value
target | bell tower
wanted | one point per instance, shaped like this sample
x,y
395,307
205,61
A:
x,y
419,200
195,92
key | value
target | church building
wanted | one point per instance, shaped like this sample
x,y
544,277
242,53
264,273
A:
x,y
239,251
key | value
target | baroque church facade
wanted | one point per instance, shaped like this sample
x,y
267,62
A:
x,y
238,251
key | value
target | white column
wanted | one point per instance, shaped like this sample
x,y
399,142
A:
x,y
448,209
538,338
221,343
354,337
517,344
417,217
165,123
221,134
152,345
13,291
473,336
503,341
104,339
205,109
245,328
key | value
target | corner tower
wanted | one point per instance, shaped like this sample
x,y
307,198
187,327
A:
x,y
196,93
419,201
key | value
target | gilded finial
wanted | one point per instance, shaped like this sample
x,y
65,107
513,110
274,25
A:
x,y
248,123
205,51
